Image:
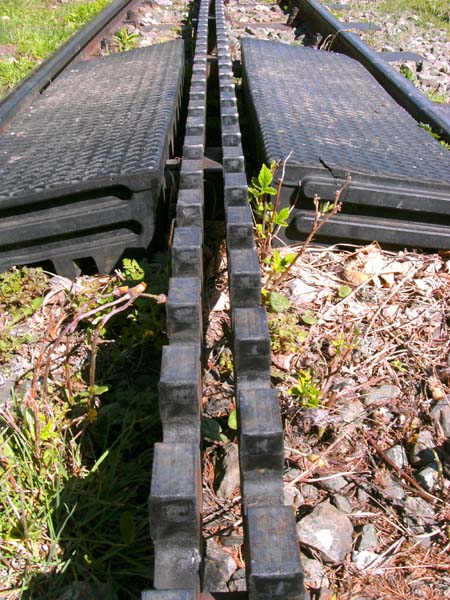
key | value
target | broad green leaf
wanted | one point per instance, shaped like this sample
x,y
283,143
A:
x,y
287,259
344,291
278,302
211,429
265,177
308,317
284,213
278,220
100,389
270,190
232,419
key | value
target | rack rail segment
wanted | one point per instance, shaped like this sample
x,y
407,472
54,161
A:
x,y
271,548
175,499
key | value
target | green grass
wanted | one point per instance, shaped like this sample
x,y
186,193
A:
x,y
34,30
436,12
74,472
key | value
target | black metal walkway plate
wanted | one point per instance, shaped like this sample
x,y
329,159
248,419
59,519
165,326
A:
x,y
334,118
89,156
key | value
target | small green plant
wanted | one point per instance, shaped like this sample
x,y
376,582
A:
x,y
268,219
307,389
21,295
232,419
399,366
126,41
344,291
286,334
226,362
278,302
408,73
323,211
76,449
436,136
278,264
308,317
435,96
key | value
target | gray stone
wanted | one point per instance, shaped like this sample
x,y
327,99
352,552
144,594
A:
x,y
421,452
362,496
219,567
238,582
334,485
302,292
441,416
315,573
369,538
6,388
392,489
230,474
352,411
342,504
382,394
419,514
398,456
429,476
309,493
80,590
328,531
363,558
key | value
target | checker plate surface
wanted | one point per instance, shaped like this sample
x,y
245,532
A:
x,y
332,114
104,122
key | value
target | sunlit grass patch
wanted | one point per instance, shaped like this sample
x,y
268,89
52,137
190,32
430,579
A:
x,y
436,12
76,441
36,28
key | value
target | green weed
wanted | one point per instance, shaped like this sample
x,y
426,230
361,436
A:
x,y
307,389
286,334
436,136
21,294
76,452
126,41
268,219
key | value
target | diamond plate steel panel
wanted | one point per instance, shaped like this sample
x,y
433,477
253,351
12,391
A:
x,y
104,122
335,118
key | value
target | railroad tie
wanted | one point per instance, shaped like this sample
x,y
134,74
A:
x,y
330,118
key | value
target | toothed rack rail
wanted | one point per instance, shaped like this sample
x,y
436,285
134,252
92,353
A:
x,y
92,190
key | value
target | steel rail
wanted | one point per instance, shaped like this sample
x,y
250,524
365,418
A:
x,y
23,94
403,91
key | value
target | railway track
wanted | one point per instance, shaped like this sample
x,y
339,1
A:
x,y
109,204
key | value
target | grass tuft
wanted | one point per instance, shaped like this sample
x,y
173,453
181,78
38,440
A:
x,y
35,30
75,457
